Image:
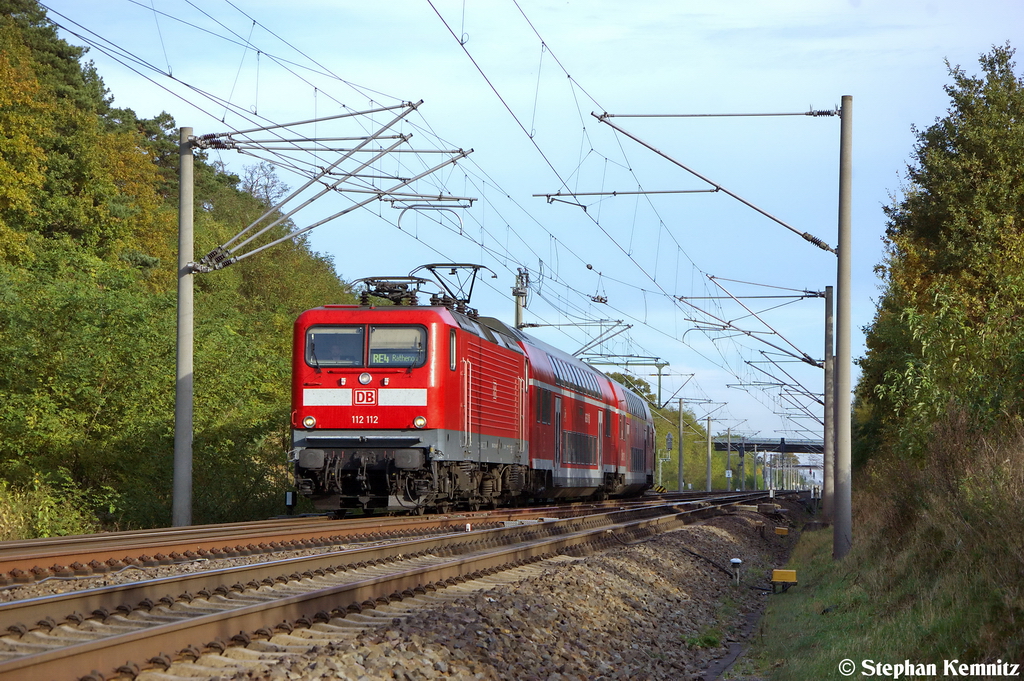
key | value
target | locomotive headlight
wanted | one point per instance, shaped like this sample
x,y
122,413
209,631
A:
x,y
364,378
420,422
309,422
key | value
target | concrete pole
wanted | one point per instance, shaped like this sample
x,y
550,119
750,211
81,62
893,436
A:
x,y
519,293
181,510
756,485
728,457
829,436
709,455
682,445
743,464
842,538
782,463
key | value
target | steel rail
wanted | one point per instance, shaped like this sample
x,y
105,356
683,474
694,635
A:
x,y
35,557
27,613
106,654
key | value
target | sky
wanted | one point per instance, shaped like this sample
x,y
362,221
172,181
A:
x,y
524,84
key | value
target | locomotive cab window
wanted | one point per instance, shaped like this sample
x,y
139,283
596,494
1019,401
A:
x,y
334,346
346,346
397,346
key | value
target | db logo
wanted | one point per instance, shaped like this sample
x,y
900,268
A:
x,y
365,397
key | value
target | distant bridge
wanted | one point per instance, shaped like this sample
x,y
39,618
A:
x,y
766,444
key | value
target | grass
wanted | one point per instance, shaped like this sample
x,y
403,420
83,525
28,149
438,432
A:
x,y
936,571
709,638
810,628
884,607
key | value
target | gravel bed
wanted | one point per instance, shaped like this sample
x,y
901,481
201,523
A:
x,y
650,610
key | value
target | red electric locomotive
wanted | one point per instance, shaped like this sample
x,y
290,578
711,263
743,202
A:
x,y
424,408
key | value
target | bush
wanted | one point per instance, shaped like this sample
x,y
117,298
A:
x,y
952,535
52,506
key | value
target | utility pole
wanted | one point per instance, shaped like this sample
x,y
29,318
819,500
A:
x,y
756,486
682,445
728,458
842,538
709,455
743,464
181,509
519,292
784,464
829,435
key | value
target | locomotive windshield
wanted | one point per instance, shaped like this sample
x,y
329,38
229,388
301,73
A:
x,y
397,346
346,346
335,346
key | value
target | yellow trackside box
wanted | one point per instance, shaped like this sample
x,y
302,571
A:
x,y
782,531
784,576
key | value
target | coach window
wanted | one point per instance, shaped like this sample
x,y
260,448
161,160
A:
x,y
334,346
543,406
398,346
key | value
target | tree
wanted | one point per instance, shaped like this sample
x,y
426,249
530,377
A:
x,y
88,205
261,181
22,160
636,384
946,331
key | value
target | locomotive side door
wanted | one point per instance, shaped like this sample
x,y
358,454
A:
x,y
470,407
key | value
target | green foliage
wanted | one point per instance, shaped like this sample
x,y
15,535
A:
x,y
709,638
53,506
88,273
636,384
936,566
55,61
940,404
945,332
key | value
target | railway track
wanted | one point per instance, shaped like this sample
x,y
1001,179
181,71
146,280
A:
x,y
28,561
153,623
25,562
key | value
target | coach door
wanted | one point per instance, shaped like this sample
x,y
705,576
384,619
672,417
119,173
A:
x,y
558,433
600,446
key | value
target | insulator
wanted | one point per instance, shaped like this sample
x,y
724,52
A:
x,y
817,242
